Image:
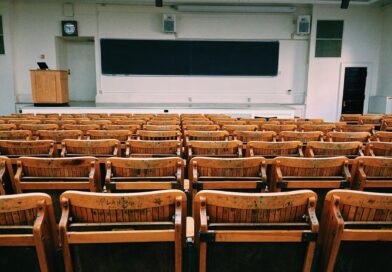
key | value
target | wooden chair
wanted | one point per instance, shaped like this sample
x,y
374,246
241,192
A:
x,y
138,174
348,137
250,121
247,136
230,123
7,127
324,128
372,173
355,119
266,231
382,136
100,123
60,123
83,128
59,135
379,149
386,124
195,135
78,120
358,128
372,119
28,235
133,122
132,128
196,122
23,135
6,176
163,122
273,149
140,148
356,227
140,231
201,127
34,127
97,148
15,149
278,128
19,122
153,135
309,173
327,149
234,174
121,135
221,149
162,128
303,137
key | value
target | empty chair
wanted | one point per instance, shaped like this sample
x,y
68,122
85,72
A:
x,y
28,235
7,127
328,149
232,128
373,119
140,148
257,122
23,135
34,127
83,128
195,135
255,231
348,137
135,122
386,124
18,122
162,127
153,135
355,119
214,149
123,232
303,137
238,174
121,135
59,135
356,227
273,149
15,149
200,127
6,176
278,128
60,123
96,148
382,136
324,128
379,149
247,136
372,173
137,174
358,128
196,122
96,122
163,122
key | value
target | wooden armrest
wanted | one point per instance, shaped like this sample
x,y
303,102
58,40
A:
x,y
190,227
186,184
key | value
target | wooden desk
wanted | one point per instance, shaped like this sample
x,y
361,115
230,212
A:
x,y
49,86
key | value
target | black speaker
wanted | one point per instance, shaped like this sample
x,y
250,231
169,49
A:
x,y
345,4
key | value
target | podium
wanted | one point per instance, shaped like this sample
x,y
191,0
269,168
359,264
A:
x,y
49,86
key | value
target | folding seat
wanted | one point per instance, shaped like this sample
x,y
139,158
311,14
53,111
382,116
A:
x,y
379,149
100,123
278,128
225,122
358,128
16,149
324,128
248,136
19,122
221,149
138,122
303,137
139,174
273,149
255,231
28,235
163,122
200,127
59,135
327,149
348,137
7,127
286,121
382,136
196,122
355,119
98,148
372,119
356,231
6,176
195,135
60,122
152,135
132,128
34,127
386,124
162,127
120,135
83,128
233,128
140,148
22,135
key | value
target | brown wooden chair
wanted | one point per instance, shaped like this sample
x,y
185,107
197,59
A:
x,y
83,128
273,149
60,123
6,176
372,173
132,128
328,149
221,149
251,121
153,135
19,122
121,135
141,231
234,174
379,149
233,128
15,149
22,135
162,127
386,124
100,123
133,122
309,173
196,122
382,136
97,148
28,235
356,227
348,137
59,135
266,231
140,148
201,127
138,174
358,128
34,127
355,119
163,122
372,119
278,128
324,128
7,127
196,135
303,137
248,136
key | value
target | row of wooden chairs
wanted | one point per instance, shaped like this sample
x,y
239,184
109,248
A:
x,y
229,231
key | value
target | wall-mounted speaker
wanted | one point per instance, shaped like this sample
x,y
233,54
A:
x,y
169,23
303,24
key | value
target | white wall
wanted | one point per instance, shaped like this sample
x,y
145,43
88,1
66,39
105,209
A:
x,y
385,72
7,96
361,46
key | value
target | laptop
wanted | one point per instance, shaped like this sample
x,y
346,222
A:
x,y
42,66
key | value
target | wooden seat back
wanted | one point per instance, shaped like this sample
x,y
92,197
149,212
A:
x,y
278,128
163,122
355,227
59,135
382,136
196,135
134,122
141,148
372,173
358,128
83,128
27,222
328,149
379,149
6,176
273,149
303,137
196,122
139,219
121,135
348,137
247,136
16,135
100,123
19,122
97,148
386,124
14,149
373,119
154,135
7,127
162,127
135,174
245,219
34,127
60,123
355,119
214,149
325,128
201,127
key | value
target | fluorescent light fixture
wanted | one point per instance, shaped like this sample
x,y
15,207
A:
x,y
236,9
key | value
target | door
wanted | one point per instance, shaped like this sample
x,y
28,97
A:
x,y
354,89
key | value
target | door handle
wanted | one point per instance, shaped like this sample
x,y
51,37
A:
x,y
344,104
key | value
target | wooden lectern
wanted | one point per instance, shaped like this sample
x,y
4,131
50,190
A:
x,y
49,86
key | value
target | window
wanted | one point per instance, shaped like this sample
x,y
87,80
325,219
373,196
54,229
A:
x,y
1,36
329,39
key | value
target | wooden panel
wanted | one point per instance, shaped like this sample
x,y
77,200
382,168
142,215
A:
x,y
49,86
